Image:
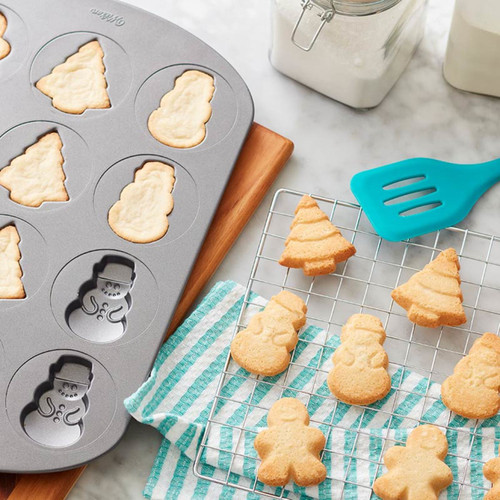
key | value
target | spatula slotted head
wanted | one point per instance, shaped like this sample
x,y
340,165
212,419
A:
x,y
414,197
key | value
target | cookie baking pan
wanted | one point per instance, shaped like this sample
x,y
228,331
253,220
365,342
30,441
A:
x,y
97,306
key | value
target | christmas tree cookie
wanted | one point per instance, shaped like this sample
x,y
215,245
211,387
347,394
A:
x,y
289,448
416,471
78,83
11,286
37,175
491,471
180,120
359,375
264,346
4,45
140,215
314,243
472,390
432,297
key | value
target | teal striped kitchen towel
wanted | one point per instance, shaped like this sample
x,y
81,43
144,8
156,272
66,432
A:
x,y
178,396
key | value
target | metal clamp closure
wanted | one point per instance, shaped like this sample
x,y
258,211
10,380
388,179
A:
x,y
323,9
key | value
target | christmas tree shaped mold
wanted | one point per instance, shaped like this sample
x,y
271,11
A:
x,y
4,45
37,175
11,286
55,417
78,83
432,297
314,243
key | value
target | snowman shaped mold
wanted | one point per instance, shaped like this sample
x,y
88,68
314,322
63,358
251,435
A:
x,y
56,417
100,313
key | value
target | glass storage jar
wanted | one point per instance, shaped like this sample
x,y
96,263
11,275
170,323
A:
x,y
472,59
353,51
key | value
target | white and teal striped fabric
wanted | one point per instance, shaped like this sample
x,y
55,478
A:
x,y
177,398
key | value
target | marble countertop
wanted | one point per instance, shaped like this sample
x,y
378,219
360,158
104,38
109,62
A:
x,y
422,116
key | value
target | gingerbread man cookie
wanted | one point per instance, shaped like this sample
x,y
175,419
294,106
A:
x,y
416,471
432,297
472,390
264,346
289,448
359,375
314,243
491,471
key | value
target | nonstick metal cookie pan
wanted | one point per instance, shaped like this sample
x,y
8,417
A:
x,y
63,373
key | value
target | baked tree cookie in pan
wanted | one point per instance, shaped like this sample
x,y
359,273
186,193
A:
x,y
78,83
4,45
432,297
180,120
37,175
289,448
11,286
359,375
140,215
314,243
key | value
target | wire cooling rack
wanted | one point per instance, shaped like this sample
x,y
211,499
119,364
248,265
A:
x,y
362,284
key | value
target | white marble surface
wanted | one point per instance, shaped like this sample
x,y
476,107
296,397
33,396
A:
x,y
422,116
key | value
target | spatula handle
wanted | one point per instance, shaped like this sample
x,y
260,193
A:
x,y
489,172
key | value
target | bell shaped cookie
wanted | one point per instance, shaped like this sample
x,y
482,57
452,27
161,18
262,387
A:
x,y
78,83
491,471
140,215
432,297
11,286
359,375
180,120
289,448
314,243
416,471
37,175
472,390
4,45
263,348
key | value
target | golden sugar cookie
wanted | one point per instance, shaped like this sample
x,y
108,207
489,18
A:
x,y
359,375
11,286
78,83
472,390
289,448
432,297
180,120
37,175
314,243
491,471
140,215
4,45
416,471
264,346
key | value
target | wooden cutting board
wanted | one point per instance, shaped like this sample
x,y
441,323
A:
x,y
262,157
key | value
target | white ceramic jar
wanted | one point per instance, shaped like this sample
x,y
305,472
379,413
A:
x,y
472,60
353,51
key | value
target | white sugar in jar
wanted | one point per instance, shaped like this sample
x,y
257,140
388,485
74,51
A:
x,y
472,60
353,51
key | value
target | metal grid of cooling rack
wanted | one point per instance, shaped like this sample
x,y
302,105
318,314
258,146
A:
x,y
362,284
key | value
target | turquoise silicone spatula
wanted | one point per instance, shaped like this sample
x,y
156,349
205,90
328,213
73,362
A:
x,y
420,195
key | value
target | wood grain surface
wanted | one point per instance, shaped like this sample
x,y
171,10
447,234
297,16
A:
x,y
261,159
